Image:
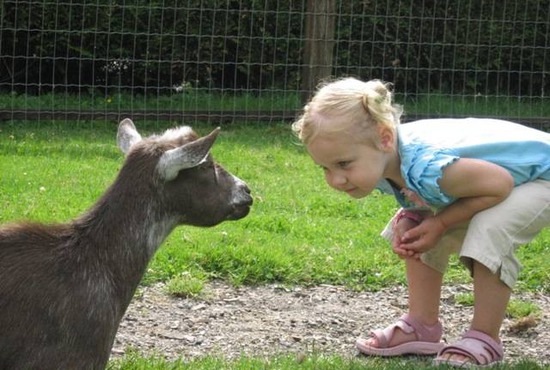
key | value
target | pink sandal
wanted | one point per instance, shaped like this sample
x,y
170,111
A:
x,y
481,350
427,339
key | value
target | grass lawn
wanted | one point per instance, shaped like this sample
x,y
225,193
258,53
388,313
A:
x,y
298,232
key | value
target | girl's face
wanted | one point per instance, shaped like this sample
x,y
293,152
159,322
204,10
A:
x,y
349,165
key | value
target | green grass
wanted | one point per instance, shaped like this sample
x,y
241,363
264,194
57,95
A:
x,y
435,104
133,361
516,308
429,104
189,100
185,286
298,232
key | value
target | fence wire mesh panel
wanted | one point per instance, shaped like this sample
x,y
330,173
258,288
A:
x,y
260,60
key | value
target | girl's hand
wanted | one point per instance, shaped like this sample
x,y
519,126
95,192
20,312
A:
x,y
423,237
399,230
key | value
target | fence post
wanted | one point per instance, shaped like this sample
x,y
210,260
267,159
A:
x,y
318,44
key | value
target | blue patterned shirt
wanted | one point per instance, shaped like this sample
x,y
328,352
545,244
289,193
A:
x,y
426,147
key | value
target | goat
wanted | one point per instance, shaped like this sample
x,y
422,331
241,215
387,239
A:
x,y
64,288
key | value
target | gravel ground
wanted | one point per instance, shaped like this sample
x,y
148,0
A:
x,y
267,320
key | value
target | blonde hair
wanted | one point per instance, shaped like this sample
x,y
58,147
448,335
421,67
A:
x,y
348,105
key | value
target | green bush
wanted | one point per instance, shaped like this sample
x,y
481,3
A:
x,y
474,47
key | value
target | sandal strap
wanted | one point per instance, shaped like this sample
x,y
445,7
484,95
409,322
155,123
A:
x,y
493,347
478,346
409,325
424,333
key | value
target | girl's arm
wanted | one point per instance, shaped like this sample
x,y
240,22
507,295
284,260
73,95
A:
x,y
477,184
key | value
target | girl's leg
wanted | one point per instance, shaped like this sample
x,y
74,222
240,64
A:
x,y
491,298
424,294
424,291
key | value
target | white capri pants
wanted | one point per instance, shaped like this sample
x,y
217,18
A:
x,y
493,235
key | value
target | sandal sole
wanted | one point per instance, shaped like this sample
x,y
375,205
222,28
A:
x,y
409,348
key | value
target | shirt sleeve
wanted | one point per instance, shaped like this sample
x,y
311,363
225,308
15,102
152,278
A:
x,y
422,167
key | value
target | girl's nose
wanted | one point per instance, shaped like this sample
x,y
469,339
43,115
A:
x,y
335,180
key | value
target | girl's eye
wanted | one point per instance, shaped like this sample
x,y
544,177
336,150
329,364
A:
x,y
343,164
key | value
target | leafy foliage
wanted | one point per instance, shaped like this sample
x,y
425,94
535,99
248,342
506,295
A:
x,y
465,47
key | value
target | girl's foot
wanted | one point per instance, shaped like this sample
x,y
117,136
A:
x,y
475,349
406,336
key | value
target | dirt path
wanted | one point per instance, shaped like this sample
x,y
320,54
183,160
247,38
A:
x,y
262,321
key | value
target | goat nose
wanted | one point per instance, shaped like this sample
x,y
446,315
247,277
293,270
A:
x,y
242,185
242,193
248,197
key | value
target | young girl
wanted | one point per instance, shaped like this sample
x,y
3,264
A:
x,y
476,187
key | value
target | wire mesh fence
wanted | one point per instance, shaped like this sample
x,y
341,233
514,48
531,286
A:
x,y
260,60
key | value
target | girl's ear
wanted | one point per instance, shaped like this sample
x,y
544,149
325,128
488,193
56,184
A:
x,y
387,138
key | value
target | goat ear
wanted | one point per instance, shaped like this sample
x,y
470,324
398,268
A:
x,y
127,135
186,156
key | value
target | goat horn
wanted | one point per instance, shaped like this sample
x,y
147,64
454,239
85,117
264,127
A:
x,y
186,156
